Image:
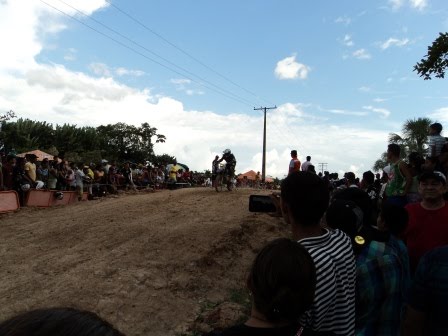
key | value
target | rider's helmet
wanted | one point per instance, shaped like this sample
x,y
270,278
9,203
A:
x,y
226,151
25,187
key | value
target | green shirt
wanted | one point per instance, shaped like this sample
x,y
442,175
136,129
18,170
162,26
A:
x,y
395,186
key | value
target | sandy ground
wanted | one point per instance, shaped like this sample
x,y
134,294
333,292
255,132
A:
x,y
161,263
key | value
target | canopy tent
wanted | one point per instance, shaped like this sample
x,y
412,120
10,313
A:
x,y
250,175
178,166
40,155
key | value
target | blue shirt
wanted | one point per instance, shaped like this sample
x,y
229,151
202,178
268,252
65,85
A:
x,y
382,277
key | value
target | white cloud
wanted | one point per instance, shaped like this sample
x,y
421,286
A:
x,y
70,55
128,72
396,4
416,4
379,100
180,81
365,89
191,92
344,20
288,68
346,112
419,4
381,111
100,69
348,41
440,115
394,42
361,54
182,85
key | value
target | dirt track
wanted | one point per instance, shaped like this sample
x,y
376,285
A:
x,y
163,263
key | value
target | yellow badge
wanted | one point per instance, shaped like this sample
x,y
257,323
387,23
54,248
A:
x,y
359,240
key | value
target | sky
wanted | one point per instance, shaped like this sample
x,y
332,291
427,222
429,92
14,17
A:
x,y
340,73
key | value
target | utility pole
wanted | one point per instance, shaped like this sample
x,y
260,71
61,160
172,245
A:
x,y
323,166
263,166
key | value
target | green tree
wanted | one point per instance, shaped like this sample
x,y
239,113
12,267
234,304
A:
x,y
413,138
163,159
3,119
26,134
127,142
436,60
7,116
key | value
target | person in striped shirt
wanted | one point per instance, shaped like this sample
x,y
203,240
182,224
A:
x,y
304,200
435,140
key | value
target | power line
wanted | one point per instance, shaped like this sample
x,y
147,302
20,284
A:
x,y
181,50
219,91
153,53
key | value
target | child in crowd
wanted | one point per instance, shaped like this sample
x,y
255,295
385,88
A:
x,y
281,281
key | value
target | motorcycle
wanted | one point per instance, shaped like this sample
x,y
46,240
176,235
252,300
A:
x,y
223,178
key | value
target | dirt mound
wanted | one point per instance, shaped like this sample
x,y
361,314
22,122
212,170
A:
x,y
163,263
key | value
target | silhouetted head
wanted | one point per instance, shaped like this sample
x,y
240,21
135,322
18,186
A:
x,y
282,280
306,195
57,322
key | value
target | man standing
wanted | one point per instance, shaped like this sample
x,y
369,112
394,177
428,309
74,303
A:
x,y
215,168
400,178
306,164
427,228
294,164
304,200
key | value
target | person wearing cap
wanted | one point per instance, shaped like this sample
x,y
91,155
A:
x,y
294,164
428,219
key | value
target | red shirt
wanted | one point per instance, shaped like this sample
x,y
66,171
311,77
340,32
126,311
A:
x,y
427,229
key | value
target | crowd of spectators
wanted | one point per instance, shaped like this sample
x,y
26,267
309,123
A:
x,y
97,179
368,255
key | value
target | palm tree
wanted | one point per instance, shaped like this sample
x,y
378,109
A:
x,y
413,139
415,134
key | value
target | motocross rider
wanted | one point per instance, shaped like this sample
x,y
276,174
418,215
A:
x,y
230,162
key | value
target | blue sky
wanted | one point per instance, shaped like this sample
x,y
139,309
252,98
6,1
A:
x,y
339,72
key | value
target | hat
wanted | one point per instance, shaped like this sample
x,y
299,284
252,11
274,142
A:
x,y
104,161
435,175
